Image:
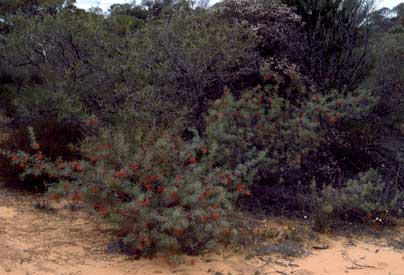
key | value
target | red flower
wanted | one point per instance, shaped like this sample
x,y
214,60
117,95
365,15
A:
x,y
14,158
95,159
92,122
215,216
241,187
148,186
76,197
66,187
134,166
178,178
103,211
55,197
124,213
228,180
173,195
105,147
204,218
120,174
192,160
22,164
94,189
35,146
270,100
76,166
152,179
145,203
161,189
40,156
179,232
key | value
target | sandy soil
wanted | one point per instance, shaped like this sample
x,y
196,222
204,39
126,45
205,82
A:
x,y
72,242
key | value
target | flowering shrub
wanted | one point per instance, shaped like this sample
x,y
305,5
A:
x,y
265,131
167,197
165,193
53,139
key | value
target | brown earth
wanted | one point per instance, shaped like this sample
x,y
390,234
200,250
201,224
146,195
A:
x,y
34,242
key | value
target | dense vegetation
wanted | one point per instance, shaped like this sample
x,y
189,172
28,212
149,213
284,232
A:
x,y
170,117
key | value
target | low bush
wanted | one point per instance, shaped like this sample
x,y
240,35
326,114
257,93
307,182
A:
x,y
165,197
366,199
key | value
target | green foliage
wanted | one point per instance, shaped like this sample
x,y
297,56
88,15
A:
x,y
366,198
274,91
336,41
272,135
165,197
189,57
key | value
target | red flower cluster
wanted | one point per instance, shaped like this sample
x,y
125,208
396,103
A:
x,y
104,147
121,174
145,203
55,197
95,159
76,166
204,218
94,189
40,156
192,160
241,187
134,166
66,186
92,122
215,216
161,189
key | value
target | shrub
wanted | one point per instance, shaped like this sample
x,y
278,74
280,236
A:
x,y
54,139
271,134
366,198
166,197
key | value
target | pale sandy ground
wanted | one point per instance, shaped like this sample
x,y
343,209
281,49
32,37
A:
x,y
67,243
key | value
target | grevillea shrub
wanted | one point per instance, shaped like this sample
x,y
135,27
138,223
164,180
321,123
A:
x,y
53,138
265,134
166,197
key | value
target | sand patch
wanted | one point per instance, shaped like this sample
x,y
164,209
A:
x,y
7,212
